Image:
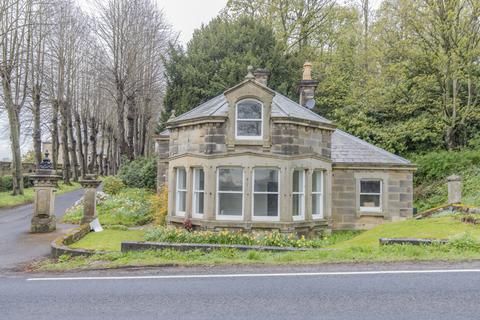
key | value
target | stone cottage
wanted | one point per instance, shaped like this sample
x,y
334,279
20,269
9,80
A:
x,y
251,158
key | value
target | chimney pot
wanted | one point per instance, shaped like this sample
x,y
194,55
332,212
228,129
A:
x,y
307,71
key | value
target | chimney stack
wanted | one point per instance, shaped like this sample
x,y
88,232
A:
x,y
307,87
261,76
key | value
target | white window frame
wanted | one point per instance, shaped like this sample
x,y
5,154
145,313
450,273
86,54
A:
x,y
360,193
318,193
260,137
302,196
195,213
177,192
265,218
229,217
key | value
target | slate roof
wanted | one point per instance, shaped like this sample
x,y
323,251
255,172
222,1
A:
x,y
281,107
350,149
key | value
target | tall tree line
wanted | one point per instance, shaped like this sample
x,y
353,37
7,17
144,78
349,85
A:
x,y
92,83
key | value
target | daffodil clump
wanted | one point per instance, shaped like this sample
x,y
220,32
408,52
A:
x,y
176,235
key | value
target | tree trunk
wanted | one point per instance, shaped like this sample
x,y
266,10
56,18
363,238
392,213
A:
x,y
37,133
73,143
93,141
64,136
86,154
17,175
55,142
78,131
120,119
130,126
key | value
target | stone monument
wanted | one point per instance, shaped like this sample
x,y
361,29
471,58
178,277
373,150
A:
x,y
454,189
90,184
44,183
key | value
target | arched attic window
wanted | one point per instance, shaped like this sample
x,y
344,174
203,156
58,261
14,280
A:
x,y
249,119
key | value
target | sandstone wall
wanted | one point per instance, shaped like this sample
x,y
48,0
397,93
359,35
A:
x,y
293,139
397,197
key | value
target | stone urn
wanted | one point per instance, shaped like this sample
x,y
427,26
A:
x,y
90,184
44,184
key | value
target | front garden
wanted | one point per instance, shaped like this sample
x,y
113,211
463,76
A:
x,y
132,213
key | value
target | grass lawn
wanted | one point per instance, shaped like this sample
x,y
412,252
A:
x,y
435,228
361,248
7,200
108,240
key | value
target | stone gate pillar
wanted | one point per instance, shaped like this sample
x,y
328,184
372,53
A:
x,y
90,184
44,183
454,189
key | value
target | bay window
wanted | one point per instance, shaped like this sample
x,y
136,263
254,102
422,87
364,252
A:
x,y
371,195
230,193
249,119
198,192
298,194
317,194
265,194
181,192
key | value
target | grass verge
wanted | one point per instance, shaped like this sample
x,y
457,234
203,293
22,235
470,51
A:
x,y
8,201
464,245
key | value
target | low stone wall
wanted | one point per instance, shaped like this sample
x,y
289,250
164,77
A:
x,y
412,241
142,246
451,207
60,245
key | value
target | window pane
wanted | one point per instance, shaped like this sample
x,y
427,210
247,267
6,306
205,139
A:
x,y
249,128
317,204
230,204
181,179
230,179
249,110
266,180
265,205
298,181
297,205
317,181
369,200
199,202
199,179
182,197
370,186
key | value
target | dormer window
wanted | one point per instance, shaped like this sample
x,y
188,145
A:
x,y
249,120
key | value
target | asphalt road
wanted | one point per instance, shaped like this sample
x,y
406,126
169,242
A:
x,y
219,295
17,245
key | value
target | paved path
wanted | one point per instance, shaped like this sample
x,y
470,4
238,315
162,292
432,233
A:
x,y
299,294
17,245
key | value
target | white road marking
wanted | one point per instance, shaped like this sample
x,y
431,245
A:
x,y
261,275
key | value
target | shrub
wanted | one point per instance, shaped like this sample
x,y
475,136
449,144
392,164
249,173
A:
x,y
113,185
131,207
440,164
6,183
160,206
140,173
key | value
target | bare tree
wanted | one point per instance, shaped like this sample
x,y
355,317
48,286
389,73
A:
x,y
15,42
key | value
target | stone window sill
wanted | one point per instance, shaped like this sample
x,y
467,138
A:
x,y
370,214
